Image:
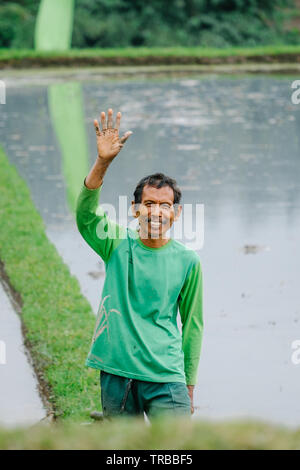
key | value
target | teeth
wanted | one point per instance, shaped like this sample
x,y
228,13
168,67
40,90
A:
x,y
155,224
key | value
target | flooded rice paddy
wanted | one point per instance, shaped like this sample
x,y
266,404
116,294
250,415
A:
x,y
233,144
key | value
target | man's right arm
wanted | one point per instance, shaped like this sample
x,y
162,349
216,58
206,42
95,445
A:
x,y
95,177
108,146
101,233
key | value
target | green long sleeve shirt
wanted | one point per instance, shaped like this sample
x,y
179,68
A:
x,y
136,333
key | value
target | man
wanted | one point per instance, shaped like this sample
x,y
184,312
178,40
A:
x,y
145,364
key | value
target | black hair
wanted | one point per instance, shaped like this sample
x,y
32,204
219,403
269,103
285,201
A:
x,y
157,180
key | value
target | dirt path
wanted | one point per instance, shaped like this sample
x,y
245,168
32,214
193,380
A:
x,y
76,62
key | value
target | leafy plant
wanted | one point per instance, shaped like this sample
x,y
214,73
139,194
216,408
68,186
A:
x,y
126,23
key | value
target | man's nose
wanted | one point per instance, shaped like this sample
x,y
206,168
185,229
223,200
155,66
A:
x,y
155,210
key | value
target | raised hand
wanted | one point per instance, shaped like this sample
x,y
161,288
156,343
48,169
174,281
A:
x,y
108,142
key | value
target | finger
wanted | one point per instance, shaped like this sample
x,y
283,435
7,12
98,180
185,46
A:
x,y
125,137
110,118
118,120
96,125
103,120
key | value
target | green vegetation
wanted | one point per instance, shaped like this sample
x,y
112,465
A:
x,y
54,25
188,23
21,58
57,319
209,23
17,23
163,433
157,51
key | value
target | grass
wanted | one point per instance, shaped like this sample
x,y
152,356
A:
x,y
159,51
57,319
11,55
163,433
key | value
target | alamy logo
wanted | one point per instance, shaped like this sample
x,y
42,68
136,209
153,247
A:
x,y
296,94
296,354
2,353
2,92
189,227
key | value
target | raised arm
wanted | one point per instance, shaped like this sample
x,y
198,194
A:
x,y
101,233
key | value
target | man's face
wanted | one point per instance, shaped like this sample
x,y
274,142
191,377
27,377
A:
x,y
156,212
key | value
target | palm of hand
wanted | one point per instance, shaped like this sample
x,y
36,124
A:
x,y
108,142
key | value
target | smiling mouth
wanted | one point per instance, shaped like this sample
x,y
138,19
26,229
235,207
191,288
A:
x,y
154,224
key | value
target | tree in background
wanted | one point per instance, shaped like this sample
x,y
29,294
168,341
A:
x,y
17,21
216,23
121,23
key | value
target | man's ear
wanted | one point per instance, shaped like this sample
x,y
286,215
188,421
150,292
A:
x,y
135,209
177,211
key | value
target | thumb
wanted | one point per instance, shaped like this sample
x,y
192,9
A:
x,y
125,137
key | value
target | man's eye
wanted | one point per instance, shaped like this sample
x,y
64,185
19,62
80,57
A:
x,y
164,205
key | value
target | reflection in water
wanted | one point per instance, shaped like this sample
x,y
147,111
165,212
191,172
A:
x,y
20,403
232,144
66,110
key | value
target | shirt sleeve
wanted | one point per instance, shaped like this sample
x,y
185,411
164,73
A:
x,y
190,307
101,233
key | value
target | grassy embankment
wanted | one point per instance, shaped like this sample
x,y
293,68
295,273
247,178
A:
x,y
57,323
20,58
168,433
57,319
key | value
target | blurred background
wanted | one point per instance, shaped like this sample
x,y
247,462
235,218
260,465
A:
x,y
123,23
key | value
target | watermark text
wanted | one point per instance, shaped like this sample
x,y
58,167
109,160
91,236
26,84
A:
x,y
296,94
186,225
295,358
2,92
2,353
